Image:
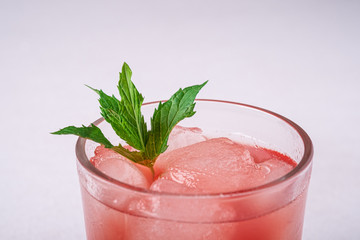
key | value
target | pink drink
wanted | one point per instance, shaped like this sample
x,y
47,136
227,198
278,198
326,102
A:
x,y
204,188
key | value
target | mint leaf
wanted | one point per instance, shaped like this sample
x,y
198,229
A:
x,y
125,116
131,100
92,132
112,111
167,115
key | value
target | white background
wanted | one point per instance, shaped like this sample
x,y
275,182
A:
x,y
297,58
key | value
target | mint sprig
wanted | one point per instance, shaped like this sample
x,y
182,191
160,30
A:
x,y
126,119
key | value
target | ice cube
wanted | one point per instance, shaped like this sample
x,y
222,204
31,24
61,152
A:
x,y
214,166
275,168
120,168
184,136
259,154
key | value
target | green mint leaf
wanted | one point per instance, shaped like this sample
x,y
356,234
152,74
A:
x,y
167,115
131,101
112,112
92,132
125,116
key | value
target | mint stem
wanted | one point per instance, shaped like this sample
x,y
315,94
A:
x,y
152,172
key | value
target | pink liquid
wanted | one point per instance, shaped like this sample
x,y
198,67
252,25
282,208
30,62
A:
x,y
197,165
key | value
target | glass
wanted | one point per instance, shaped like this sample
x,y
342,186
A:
x,y
115,210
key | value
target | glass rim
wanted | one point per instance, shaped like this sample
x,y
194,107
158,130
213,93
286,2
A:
x,y
302,165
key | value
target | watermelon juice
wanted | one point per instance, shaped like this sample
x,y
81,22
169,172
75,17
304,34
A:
x,y
243,174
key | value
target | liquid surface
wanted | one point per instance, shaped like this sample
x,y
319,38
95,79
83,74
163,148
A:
x,y
195,164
